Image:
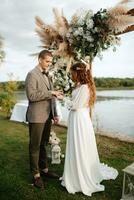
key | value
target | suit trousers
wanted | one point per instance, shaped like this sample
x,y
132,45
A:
x,y
38,139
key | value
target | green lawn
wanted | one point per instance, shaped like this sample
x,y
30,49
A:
x,y
15,177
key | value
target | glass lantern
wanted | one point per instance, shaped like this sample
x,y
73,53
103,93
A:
x,y
128,183
56,154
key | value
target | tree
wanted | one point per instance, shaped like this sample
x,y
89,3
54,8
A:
x,y
7,96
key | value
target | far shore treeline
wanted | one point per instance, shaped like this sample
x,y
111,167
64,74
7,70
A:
x,y
114,83
106,83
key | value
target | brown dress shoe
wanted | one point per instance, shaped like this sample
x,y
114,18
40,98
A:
x,y
38,182
50,174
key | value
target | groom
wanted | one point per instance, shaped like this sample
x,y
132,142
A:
x,y
41,110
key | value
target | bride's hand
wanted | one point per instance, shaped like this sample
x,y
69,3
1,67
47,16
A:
x,y
56,119
60,97
58,94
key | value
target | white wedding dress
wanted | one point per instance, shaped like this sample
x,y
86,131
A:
x,y
83,171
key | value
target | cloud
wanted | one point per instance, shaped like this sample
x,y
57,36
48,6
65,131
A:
x,y
18,29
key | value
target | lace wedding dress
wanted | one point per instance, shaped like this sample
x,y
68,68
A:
x,y
83,171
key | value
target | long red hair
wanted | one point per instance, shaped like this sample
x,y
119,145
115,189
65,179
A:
x,y
84,76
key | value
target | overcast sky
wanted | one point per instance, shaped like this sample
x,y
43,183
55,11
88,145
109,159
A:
x,y
17,26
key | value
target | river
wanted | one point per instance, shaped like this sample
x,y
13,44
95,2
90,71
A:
x,y
113,112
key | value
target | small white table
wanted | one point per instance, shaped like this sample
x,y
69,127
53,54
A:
x,y
19,112
20,108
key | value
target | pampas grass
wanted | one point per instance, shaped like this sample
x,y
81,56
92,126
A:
x,y
124,2
61,22
47,33
120,18
120,23
54,36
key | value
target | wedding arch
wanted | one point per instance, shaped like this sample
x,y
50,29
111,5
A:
x,y
85,36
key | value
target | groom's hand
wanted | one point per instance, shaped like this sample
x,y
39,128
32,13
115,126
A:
x,y
56,120
58,94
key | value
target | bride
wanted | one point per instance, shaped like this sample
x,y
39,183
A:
x,y
83,171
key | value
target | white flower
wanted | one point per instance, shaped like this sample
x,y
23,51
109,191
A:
x,y
89,39
68,35
70,30
91,45
62,155
96,29
71,41
64,72
66,88
60,79
57,87
84,36
76,33
51,73
88,33
87,59
90,13
80,31
90,24
81,22
70,81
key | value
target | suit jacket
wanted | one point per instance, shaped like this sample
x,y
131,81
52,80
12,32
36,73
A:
x,y
41,101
